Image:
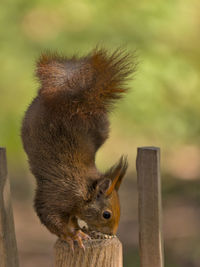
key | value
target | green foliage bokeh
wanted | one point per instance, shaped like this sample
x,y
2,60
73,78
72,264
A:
x,y
163,105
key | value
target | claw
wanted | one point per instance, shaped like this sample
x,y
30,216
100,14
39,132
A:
x,y
70,241
80,242
79,237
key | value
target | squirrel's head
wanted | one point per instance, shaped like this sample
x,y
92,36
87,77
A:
x,y
102,211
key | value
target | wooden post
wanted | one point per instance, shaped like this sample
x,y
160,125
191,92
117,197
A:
x,y
149,205
98,253
8,246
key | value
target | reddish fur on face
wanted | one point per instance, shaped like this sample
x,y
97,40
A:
x,y
62,130
116,212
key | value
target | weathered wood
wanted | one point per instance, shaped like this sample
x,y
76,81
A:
x,y
8,246
149,206
98,253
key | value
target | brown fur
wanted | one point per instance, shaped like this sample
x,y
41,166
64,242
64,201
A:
x,y
62,130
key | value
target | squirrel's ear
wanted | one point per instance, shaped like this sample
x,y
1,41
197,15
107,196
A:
x,y
103,185
116,174
100,187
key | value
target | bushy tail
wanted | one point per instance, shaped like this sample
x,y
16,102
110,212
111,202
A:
x,y
96,80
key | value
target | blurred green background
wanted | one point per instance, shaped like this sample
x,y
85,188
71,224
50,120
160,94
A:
x,y
161,109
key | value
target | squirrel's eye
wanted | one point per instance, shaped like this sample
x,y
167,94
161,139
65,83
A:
x,y
106,214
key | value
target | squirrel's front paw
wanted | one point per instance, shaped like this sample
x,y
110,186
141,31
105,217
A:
x,y
78,236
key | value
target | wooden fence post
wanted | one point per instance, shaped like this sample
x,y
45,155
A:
x,y
98,253
149,205
8,246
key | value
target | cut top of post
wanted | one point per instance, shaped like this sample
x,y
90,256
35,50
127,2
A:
x,y
153,148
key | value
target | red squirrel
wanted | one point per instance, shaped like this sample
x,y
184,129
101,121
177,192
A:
x,y
62,130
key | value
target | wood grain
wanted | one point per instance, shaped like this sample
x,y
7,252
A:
x,y
8,246
98,253
149,206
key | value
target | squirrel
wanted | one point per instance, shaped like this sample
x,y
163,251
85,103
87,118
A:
x,y
62,130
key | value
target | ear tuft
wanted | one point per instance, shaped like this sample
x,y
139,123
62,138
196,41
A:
x,y
116,174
